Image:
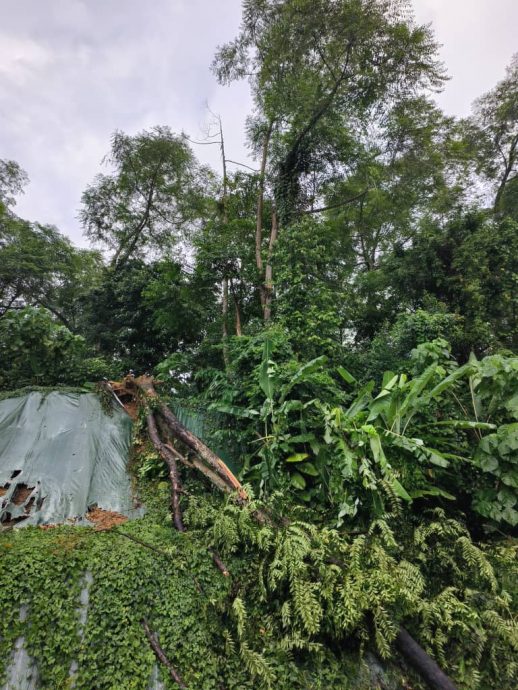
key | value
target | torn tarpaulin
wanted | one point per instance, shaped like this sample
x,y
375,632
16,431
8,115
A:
x,y
61,453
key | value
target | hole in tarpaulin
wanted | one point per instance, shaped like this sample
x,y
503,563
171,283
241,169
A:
x,y
21,494
15,474
8,520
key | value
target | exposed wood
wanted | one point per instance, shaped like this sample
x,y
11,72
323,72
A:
x,y
160,654
181,433
196,463
422,662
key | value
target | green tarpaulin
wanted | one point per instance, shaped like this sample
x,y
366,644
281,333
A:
x,y
61,453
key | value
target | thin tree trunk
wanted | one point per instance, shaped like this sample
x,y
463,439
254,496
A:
x,y
260,202
505,177
170,461
239,331
224,316
268,273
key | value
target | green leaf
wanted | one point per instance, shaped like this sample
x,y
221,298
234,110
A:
x,y
234,411
432,491
303,373
265,376
464,424
297,457
309,468
436,457
363,399
450,380
298,481
347,377
398,489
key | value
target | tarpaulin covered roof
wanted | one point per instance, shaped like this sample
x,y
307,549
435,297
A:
x,y
61,453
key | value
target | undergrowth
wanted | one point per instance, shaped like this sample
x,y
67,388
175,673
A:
x,y
306,606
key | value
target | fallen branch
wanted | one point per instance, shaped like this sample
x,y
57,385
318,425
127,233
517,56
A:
x,y
170,460
180,432
219,563
160,654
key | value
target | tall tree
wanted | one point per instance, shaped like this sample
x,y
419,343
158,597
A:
x,y
494,133
38,265
316,68
153,197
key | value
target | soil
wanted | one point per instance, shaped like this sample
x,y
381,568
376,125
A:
x,y
105,519
3,490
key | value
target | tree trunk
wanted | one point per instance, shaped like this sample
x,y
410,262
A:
x,y
260,205
180,432
268,273
170,461
422,662
224,315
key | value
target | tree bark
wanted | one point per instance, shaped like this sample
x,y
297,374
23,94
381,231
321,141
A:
x,y
268,273
422,662
224,316
180,432
170,461
239,331
260,203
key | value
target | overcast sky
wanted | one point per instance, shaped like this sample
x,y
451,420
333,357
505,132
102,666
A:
x,y
73,71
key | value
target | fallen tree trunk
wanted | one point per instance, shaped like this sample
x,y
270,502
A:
x,y
170,460
422,662
195,463
180,432
224,479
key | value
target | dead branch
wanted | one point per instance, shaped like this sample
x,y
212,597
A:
x,y
219,563
160,654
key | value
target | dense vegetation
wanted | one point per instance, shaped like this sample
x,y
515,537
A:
x,y
344,321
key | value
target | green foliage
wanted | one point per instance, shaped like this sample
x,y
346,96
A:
x,y
34,349
312,584
154,194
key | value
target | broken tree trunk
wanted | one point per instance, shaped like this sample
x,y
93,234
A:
x,y
195,463
181,433
170,460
